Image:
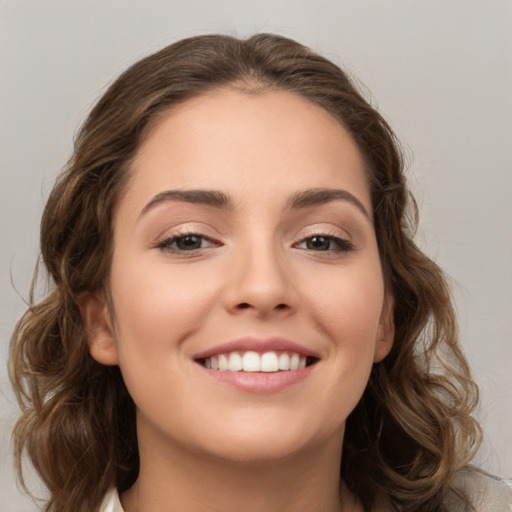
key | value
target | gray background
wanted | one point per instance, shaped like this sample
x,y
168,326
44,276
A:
x,y
440,71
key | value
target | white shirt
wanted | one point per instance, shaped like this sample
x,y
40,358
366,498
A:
x,y
111,502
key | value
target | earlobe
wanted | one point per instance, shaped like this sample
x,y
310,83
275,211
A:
x,y
97,322
386,330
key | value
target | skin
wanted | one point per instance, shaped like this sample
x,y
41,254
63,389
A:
x,y
255,274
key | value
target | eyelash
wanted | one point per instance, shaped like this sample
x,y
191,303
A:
x,y
166,243
342,245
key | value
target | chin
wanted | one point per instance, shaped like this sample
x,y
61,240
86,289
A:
x,y
258,451
265,441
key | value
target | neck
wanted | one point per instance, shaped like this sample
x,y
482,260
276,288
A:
x,y
175,479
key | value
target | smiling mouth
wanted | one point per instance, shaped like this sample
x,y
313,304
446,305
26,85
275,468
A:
x,y
252,362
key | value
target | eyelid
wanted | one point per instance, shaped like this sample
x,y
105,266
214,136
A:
x,y
163,243
324,230
184,228
344,242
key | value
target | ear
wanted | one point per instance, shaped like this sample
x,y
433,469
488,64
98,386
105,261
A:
x,y
386,330
98,325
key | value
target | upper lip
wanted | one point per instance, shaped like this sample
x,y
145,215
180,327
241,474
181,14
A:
x,y
258,345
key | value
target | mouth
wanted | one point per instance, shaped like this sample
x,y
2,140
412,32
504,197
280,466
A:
x,y
258,365
251,361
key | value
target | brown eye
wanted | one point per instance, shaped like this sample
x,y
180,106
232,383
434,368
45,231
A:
x,y
325,243
188,242
318,243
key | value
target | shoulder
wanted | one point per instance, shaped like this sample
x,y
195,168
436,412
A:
x,y
485,492
111,502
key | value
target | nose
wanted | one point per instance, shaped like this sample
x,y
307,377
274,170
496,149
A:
x,y
260,282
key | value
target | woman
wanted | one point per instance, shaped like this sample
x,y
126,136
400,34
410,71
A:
x,y
239,319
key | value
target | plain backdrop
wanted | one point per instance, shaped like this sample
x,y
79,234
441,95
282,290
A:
x,y
439,70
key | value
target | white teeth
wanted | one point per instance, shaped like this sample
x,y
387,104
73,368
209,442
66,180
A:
x,y
223,363
269,362
284,361
251,361
235,362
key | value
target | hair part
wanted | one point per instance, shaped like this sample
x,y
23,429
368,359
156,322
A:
x,y
412,430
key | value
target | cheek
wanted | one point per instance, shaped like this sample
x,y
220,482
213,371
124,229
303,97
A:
x,y
348,303
348,309
155,310
157,306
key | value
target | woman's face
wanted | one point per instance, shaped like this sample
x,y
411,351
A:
x,y
244,239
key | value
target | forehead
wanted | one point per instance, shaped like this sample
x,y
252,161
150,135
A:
x,y
271,141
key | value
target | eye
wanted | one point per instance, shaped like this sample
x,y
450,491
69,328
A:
x,y
186,242
324,243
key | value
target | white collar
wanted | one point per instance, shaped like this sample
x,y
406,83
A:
x,y
111,502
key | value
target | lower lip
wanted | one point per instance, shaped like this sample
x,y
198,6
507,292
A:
x,y
260,382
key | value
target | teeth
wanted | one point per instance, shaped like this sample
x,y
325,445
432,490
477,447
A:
x,y
235,362
223,363
251,361
294,362
269,362
284,361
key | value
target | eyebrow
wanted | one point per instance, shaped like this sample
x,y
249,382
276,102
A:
x,y
213,198
218,199
317,196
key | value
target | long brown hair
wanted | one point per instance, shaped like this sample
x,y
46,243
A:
x,y
412,430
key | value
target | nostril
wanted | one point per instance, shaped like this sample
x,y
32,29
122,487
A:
x,y
245,305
